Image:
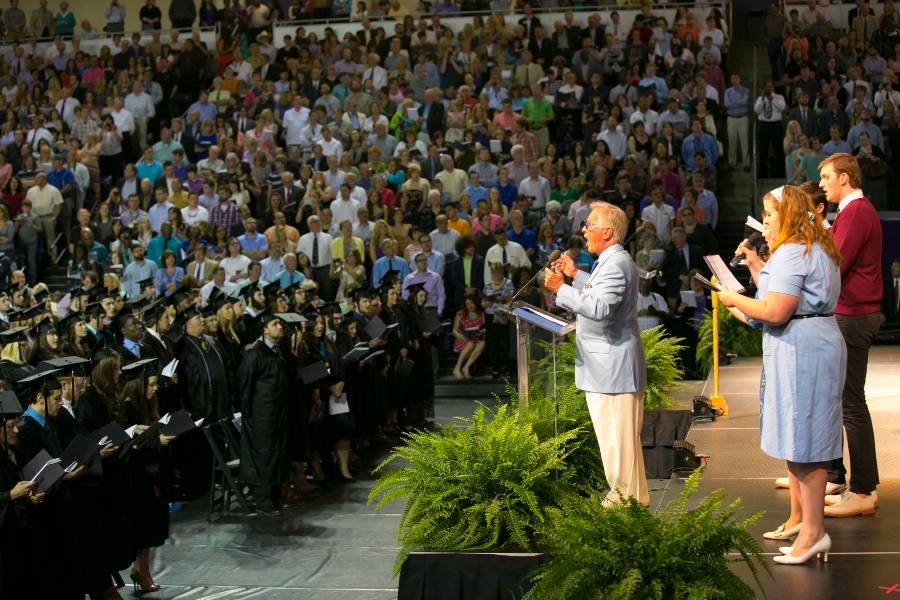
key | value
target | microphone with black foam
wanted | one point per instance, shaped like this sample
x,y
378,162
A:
x,y
752,241
554,256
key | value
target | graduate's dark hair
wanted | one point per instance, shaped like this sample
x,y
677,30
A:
x,y
103,378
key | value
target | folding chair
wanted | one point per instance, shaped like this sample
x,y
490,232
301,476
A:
x,y
224,475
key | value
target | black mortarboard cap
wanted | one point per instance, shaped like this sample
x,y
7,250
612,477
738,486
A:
x,y
177,297
291,318
9,404
62,326
313,373
26,313
145,283
389,278
247,291
41,294
309,311
14,334
215,295
41,328
93,309
329,308
270,290
41,379
190,312
152,312
415,287
263,317
138,303
67,364
137,369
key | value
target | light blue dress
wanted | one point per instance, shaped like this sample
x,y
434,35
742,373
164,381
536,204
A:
x,y
804,360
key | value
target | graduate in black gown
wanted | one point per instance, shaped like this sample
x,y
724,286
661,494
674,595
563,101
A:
x,y
424,336
399,350
50,529
265,389
112,542
15,493
148,467
202,369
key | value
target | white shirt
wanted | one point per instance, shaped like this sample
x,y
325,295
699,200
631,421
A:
x,y
227,288
649,119
662,218
331,147
615,142
846,200
294,121
334,179
305,246
344,210
140,105
234,265
359,194
775,107
378,75
656,301
309,133
66,108
159,214
515,256
192,216
242,70
538,188
123,119
445,243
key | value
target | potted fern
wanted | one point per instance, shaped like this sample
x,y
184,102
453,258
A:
x,y
734,338
484,483
628,552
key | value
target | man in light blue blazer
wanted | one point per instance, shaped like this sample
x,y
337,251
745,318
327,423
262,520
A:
x,y
609,362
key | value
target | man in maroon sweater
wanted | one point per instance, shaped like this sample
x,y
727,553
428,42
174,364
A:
x,y
857,231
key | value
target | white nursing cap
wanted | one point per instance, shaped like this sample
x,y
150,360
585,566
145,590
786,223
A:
x,y
776,193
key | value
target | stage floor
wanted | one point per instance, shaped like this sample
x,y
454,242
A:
x,y
335,547
866,558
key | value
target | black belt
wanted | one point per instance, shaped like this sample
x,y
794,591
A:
x,y
810,316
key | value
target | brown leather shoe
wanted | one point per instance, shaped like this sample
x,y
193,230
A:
x,y
852,504
289,495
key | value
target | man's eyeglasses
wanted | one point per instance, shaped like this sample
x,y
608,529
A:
x,y
585,226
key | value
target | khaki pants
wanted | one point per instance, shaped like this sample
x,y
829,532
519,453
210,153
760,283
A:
x,y
617,422
543,136
737,136
49,225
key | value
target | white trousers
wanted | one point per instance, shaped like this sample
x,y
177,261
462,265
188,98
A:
x,y
737,136
617,422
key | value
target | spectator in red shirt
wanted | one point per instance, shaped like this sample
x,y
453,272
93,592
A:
x,y
857,231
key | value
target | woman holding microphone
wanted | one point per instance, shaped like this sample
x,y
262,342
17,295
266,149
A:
x,y
804,356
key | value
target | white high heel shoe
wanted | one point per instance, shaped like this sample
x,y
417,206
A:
x,y
781,533
819,549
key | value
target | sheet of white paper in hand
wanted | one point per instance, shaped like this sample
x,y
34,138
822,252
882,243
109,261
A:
x,y
753,223
657,256
496,146
338,405
169,369
724,277
687,296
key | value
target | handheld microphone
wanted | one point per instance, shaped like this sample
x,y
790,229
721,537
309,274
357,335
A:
x,y
554,256
753,240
